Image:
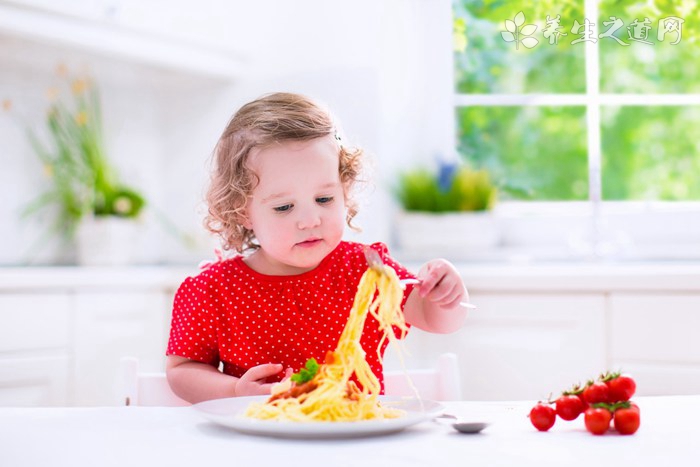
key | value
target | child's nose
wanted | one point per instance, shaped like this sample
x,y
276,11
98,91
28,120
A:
x,y
308,219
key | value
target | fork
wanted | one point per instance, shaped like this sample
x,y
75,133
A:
x,y
375,262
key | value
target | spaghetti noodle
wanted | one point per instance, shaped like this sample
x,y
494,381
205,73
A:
x,y
330,395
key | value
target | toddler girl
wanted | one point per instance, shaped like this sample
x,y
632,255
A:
x,y
281,192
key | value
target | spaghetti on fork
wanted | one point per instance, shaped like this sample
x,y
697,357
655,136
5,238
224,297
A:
x,y
330,394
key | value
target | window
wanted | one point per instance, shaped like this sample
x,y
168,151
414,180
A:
x,y
585,111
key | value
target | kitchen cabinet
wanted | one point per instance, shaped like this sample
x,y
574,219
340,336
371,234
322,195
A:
x,y
63,332
655,337
522,346
34,349
540,328
111,325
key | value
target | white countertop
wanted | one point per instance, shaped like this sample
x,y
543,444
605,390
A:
x,y
146,436
486,277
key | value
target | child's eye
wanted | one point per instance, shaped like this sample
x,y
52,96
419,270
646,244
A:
x,y
284,208
324,199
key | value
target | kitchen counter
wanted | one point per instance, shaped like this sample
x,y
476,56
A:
x,y
555,276
148,436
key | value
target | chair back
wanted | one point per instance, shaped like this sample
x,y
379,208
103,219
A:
x,y
440,383
146,389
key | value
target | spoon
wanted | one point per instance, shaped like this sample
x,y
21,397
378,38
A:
x,y
469,427
464,426
471,306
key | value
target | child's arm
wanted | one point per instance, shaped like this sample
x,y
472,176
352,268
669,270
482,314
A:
x,y
434,305
195,381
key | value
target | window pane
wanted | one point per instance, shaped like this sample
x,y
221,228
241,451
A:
x,y
651,62
651,153
537,153
489,64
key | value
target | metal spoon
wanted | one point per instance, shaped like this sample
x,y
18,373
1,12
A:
x,y
463,426
469,427
418,281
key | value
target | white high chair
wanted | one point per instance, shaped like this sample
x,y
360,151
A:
x,y
439,383
146,389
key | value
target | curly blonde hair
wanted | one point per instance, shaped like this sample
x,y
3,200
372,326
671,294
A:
x,y
270,119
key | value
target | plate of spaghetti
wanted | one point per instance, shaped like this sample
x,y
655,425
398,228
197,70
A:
x,y
231,413
341,395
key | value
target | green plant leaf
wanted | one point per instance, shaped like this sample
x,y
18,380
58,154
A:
x,y
470,190
83,181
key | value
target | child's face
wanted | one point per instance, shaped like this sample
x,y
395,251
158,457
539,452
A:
x,y
297,210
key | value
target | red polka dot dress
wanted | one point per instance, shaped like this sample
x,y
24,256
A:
x,y
232,314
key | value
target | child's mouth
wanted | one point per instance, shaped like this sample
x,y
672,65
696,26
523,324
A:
x,y
309,243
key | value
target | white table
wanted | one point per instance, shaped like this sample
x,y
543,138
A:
x,y
140,436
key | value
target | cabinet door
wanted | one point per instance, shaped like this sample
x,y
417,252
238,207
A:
x,y
34,355
655,338
522,346
34,381
110,326
34,322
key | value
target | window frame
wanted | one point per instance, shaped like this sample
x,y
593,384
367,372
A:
x,y
671,229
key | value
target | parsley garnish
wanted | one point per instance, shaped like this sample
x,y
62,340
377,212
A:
x,y
307,373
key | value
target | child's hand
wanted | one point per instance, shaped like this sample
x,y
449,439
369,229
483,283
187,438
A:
x,y
254,381
441,284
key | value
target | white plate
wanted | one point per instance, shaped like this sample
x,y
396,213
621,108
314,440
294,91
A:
x,y
229,413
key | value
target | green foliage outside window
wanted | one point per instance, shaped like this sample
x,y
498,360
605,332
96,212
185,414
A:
x,y
536,153
540,153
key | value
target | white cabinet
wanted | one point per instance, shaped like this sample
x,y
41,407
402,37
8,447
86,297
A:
x,y
109,326
63,347
528,345
656,337
522,346
34,381
539,329
34,349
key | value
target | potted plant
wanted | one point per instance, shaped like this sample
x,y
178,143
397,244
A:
x,y
93,206
446,212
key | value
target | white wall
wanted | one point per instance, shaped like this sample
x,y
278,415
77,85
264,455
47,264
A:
x,y
383,67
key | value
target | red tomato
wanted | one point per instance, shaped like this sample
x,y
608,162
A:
x,y
583,401
597,420
596,392
634,406
627,420
542,417
622,388
569,407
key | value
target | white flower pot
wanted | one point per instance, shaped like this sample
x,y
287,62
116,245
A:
x,y
106,241
455,234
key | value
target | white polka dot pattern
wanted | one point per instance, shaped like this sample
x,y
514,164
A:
x,y
233,314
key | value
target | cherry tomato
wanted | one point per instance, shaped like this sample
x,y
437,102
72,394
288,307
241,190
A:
x,y
569,407
626,421
621,389
596,392
542,417
597,420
